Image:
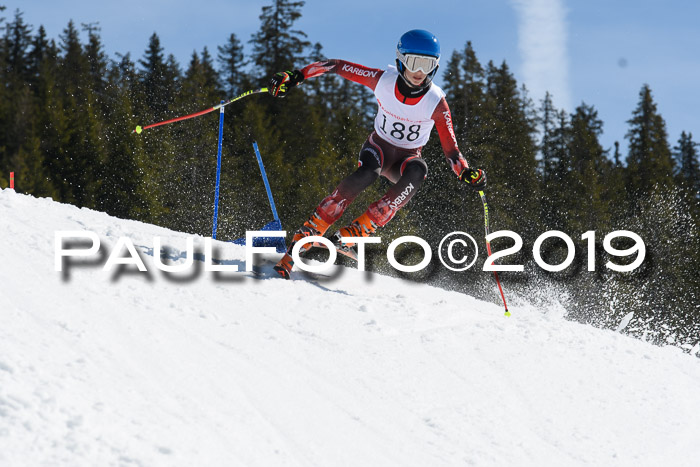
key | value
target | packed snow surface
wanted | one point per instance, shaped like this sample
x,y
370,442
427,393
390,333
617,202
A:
x,y
122,367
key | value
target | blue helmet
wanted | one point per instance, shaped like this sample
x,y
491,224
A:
x,y
418,49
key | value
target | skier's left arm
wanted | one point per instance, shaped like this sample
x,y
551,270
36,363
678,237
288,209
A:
x,y
443,122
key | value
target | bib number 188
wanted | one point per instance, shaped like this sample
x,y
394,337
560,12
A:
x,y
399,130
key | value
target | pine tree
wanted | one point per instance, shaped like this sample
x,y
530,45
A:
x,y
617,157
83,154
30,173
38,52
662,217
52,121
276,46
232,66
615,191
196,142
21,117
511,154
17,41
30,162
4,107
16,111
97,60
153,99
70,66
587,205
159,78
555,163
649,162
688,172
137,170
476,119
465,90
548,117
199,86
123,192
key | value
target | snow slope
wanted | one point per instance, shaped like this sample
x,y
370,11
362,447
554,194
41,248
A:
x,y
106,368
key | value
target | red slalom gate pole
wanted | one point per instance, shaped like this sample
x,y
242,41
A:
x,y
488,249
12,180
139,129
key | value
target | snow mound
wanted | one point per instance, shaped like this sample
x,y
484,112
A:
x,y
124,367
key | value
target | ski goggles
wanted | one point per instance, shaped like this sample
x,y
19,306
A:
x,y
414,63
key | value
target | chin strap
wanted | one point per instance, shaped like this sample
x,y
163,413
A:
x,y
414,91
410,91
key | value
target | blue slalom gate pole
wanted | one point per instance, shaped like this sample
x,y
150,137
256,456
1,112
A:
x,y
267,183
276,224
218,171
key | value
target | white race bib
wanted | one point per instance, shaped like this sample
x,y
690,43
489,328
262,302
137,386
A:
x,y
403,125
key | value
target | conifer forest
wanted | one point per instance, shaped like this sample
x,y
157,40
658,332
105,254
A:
x,y
67,112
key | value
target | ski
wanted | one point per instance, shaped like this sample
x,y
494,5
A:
x,y
285,265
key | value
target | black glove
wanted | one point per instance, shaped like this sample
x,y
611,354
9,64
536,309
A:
x,y
283,81
476,178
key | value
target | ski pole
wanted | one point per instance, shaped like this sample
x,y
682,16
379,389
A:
x,y
139,129
488,248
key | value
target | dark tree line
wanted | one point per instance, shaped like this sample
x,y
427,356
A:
x,y
67,110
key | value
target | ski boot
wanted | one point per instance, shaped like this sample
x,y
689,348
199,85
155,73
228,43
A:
x,y
363,226
315,226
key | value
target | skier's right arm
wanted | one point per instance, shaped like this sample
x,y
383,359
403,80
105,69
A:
x,y
282,82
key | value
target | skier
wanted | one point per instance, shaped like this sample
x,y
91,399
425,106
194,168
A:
x,y
409,104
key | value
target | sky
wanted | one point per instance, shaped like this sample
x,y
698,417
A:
x,y
600,52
